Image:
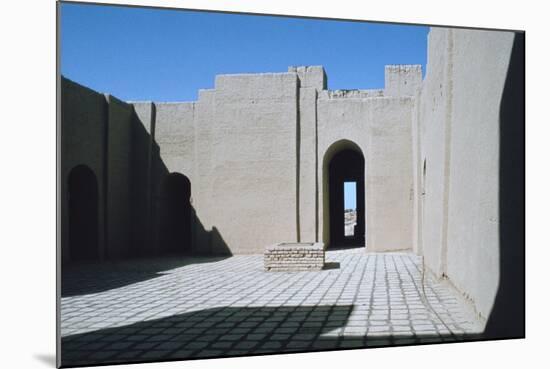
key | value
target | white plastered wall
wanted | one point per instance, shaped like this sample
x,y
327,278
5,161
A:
x,y
459,137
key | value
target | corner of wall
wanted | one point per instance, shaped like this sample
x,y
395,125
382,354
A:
x,y
402,80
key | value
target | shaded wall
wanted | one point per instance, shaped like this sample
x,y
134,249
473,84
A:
x,y
143,151
119,155
83,142
173,153
98,131
507,318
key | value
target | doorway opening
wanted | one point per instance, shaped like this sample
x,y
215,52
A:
x,y
83,214
344,196
175,227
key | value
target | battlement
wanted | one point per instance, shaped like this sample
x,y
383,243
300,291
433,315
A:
x,y
310,76
350,94
402,80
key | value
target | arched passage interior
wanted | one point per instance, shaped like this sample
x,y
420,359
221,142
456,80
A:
x,y
344,164
83,214
175,227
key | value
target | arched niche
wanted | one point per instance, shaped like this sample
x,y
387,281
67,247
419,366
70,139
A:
x,y
83,214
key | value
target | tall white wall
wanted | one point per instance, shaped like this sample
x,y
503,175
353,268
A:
x,y
254,156
389,169
480,64
459,138
254,177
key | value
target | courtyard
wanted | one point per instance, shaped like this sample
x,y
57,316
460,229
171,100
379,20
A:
x,y
183,308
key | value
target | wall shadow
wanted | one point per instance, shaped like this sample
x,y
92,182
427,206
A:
x,y
259,330
46,359
331,265
507,319
231,331
345,246
94,277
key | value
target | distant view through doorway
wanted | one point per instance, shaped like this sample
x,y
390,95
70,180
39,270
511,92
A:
x,y
350,208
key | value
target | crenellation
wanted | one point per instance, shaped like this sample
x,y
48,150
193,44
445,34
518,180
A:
x,y
205,94
402,80
351,94
310,76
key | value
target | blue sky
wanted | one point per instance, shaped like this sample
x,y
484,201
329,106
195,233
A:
x,y
350,195
167,55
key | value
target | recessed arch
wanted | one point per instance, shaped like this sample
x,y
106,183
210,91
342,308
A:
x,y
83,214
175,219
343,161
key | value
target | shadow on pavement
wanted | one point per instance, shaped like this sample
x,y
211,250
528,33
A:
x,y
88,278
230,331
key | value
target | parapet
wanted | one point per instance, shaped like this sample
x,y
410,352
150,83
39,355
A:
x,y
350,94
402,80
311,76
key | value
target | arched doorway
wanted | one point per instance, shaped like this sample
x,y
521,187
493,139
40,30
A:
x,y
83,214
344,196
175,230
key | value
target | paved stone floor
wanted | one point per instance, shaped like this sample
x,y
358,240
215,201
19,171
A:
x,y
169,308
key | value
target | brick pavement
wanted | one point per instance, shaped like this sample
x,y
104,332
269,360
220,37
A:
x,y
169,308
